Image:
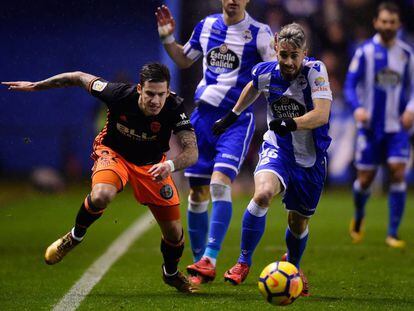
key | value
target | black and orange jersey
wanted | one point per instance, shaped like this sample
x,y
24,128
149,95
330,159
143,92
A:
x,y
138,138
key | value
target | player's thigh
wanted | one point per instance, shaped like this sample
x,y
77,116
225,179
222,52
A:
x,y
398,148
369,150
161,196
109,168
305,188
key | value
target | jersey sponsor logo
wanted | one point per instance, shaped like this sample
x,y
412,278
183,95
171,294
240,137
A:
x,y
155,126
387,78
167,192
130,133
286,107
247,35
99,86
222,60
320,81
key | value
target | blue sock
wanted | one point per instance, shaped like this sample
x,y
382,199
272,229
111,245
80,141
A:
x,y
360,200
220,218
254,222
197,218
296,245
396,204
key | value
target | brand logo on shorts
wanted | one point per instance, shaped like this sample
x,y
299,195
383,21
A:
x,y
167,192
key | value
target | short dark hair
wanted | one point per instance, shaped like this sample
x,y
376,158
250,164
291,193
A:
x,y
154,72
390,7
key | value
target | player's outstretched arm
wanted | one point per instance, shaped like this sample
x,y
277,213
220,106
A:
x,y
166,27
247,97
62,80
187,157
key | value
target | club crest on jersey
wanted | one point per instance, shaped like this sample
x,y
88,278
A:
x,y
155,126
286,107
99,86
222,60
387,77
167,192
247,35
301,80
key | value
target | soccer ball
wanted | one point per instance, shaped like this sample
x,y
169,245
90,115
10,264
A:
x,y
280,283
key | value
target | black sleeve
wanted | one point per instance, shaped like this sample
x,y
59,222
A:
x,y
108,92
180,120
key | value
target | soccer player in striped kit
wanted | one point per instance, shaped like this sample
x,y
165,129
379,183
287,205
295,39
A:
x,y
230,43
382,73
292,159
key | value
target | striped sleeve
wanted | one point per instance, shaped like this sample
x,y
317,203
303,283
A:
x,y
265,44
192,49
355,73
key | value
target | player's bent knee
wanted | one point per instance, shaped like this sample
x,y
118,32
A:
x,y
263,197
199,193
102,195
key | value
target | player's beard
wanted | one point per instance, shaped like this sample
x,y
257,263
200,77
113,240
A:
x,y
387,35
232,10
289,75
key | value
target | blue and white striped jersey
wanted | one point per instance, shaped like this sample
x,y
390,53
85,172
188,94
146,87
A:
x,y
290,99
381,80
230,52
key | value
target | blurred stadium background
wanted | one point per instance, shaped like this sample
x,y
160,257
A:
x,y
46,138
46,132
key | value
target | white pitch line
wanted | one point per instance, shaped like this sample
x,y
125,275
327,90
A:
x,y
97,270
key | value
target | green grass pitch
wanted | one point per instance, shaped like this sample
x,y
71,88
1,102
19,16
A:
x,y
342,276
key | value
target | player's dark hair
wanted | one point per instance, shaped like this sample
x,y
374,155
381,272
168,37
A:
x,y
154,72
388,6
293,34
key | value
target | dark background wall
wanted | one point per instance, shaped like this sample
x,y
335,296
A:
x,y
112,39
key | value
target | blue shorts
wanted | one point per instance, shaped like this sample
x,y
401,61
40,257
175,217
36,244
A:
x,y
224,153
303,185
373,149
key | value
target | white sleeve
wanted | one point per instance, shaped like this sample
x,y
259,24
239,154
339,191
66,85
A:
x,y
265,44
410,104
319,82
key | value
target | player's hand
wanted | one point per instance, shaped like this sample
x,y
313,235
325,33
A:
x,y
166,24
282,126
160,171
24,86
407,119
361,115
221,125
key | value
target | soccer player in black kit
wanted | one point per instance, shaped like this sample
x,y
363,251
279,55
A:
x,y
131,148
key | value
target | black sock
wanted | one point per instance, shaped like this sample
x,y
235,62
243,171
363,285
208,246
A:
x,y
86,217
172,253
